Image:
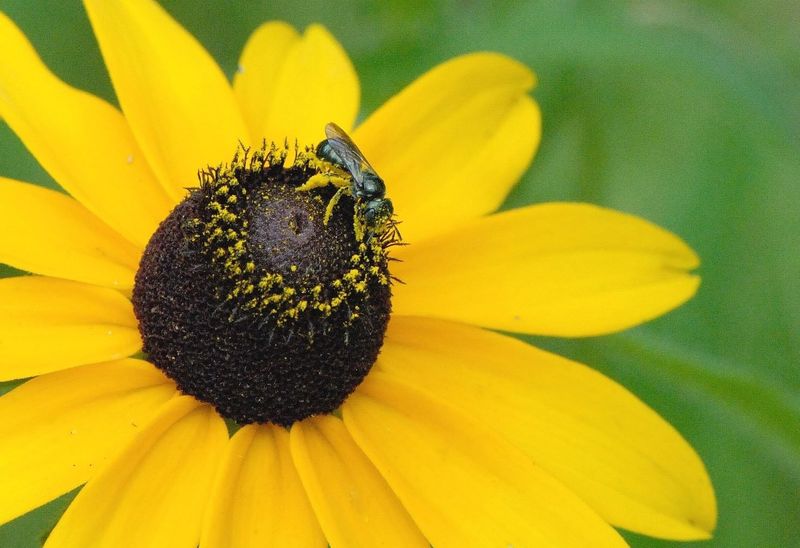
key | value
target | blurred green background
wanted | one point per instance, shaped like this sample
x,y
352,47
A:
x,y
686,113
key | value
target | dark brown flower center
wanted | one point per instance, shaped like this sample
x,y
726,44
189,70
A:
x,y
251,300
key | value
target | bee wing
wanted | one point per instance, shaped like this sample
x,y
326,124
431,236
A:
x,y
347,150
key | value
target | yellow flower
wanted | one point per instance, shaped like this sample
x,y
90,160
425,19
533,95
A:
x,y
458,436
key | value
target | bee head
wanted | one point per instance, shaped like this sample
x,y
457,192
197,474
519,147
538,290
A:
x,y
377,212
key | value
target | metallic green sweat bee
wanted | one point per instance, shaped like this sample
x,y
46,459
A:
x,y
366,187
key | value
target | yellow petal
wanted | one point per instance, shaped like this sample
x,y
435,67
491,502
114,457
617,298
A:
x,y
82,141
354,504
258,499
290,86
452,144
585,430
550,269
58,429
48,233
462,483
47,324
260,66
153,493
176,99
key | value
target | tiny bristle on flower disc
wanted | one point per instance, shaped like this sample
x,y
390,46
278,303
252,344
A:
x,y
254,300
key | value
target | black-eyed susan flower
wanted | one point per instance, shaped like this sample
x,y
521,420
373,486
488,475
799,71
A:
x,y
256,299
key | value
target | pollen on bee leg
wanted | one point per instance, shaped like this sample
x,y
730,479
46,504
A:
x,y
315,181
323,179
248,294
332,204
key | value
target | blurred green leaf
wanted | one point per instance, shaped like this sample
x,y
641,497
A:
x,y
32,529
6,386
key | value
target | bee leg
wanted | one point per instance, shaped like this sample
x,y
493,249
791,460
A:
x,y
359,227
333,202
315,181
323,179
341,182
